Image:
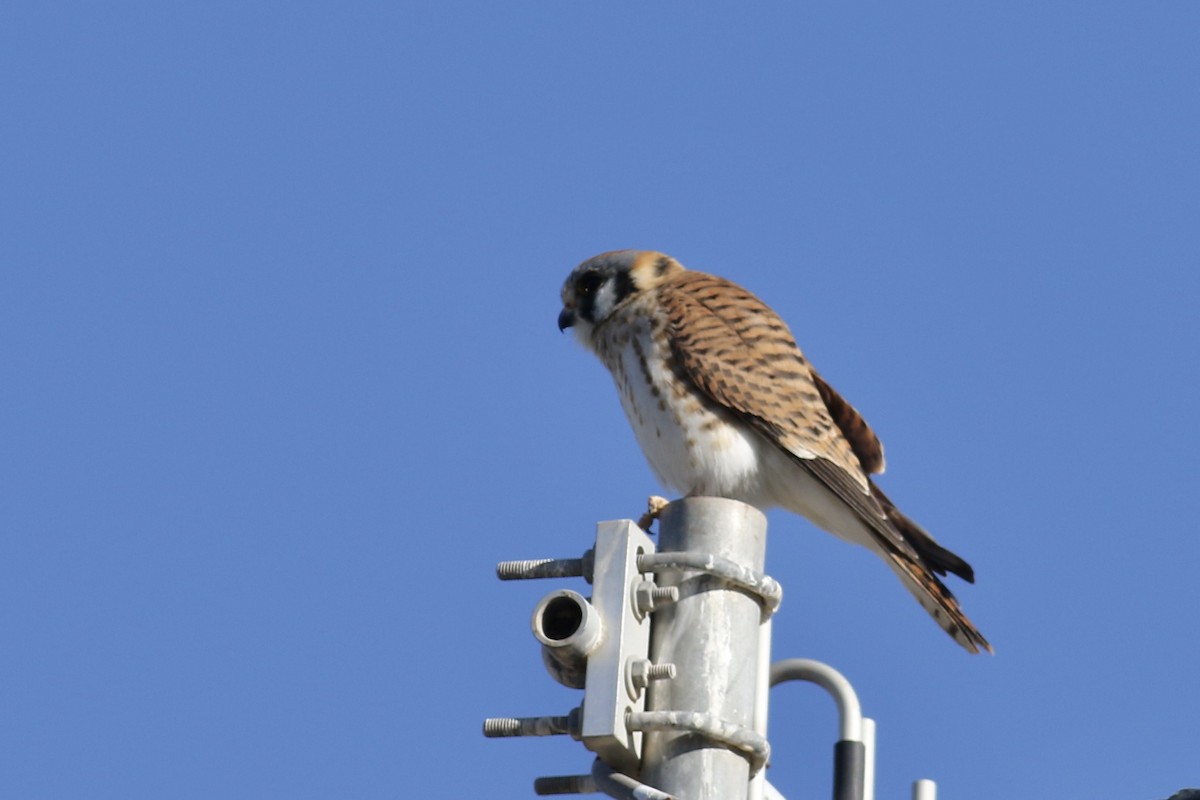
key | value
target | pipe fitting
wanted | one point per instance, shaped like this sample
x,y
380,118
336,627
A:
x,y
570,629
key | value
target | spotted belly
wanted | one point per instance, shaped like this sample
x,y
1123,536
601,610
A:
x,y
699,448
692,445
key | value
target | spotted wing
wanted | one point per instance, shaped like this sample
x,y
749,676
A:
x,y
858,433
739,353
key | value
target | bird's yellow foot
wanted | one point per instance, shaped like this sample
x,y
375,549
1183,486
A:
x,y
654,507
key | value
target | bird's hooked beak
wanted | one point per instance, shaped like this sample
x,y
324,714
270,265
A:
x,y
566,318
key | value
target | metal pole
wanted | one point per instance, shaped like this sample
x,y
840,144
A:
x,y
868,738
924,789
711,635
762,701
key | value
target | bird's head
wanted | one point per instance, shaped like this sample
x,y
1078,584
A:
x,y
598,286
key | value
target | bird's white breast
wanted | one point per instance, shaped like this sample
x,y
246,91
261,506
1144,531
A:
x,y
700,448
690,445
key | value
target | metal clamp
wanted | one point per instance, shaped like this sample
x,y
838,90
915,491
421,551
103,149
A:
x,y
741,740
599,644
764,587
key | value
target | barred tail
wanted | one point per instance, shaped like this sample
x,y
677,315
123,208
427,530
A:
x,y
935,598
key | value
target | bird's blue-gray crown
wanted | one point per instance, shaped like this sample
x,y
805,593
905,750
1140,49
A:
x,y
599,285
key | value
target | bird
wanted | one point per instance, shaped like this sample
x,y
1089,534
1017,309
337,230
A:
x,y
724,404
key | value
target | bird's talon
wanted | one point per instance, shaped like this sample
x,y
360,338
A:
x,y
654,507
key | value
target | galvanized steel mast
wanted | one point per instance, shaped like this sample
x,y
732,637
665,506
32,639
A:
x,y
711,635
672,651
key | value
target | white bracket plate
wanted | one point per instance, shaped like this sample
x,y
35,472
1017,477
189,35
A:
x,y
607,700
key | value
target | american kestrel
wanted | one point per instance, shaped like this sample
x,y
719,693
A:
x,y
724,404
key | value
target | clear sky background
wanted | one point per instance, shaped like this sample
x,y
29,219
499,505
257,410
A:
x,y
280,378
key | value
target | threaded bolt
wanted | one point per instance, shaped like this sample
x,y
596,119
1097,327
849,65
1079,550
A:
x,y
649,596
641,671
545,568
496,727
656,672
500,727
564,784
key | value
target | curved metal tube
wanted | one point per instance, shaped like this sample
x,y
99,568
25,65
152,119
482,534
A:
x,y
832,681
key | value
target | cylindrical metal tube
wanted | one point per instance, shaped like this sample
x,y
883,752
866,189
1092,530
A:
x,y
762,698
501,727
569,630
711,635
868,739
564,784
924,789
832,681
623,787
849,758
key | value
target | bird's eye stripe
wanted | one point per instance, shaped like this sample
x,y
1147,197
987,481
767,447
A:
x,y
588,283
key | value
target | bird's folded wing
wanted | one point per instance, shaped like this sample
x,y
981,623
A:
x,y
858,433
741,355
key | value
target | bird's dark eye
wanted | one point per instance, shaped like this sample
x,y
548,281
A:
x,y
589,282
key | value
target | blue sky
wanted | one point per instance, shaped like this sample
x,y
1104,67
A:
x,y
281,380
